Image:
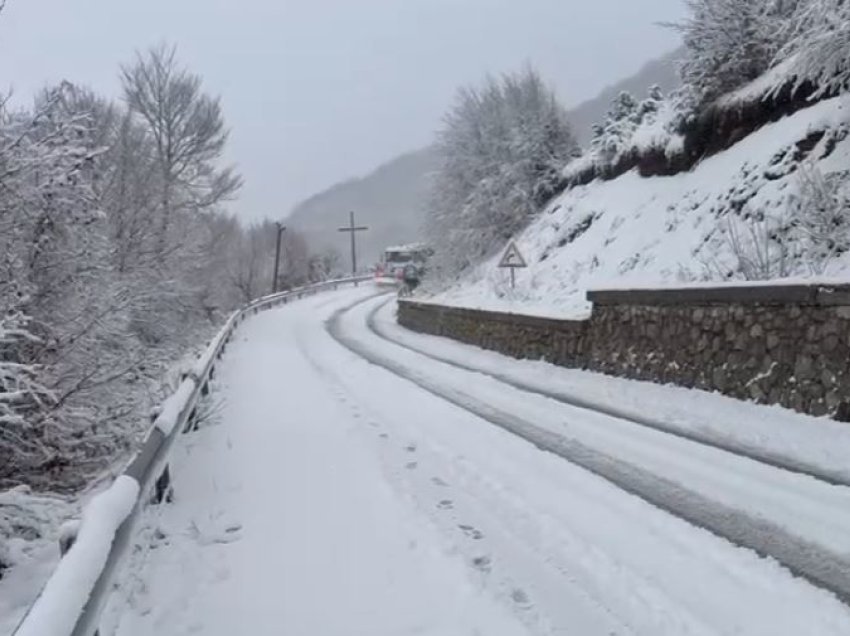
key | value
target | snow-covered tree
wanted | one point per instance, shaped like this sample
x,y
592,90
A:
x,y
22,394
623,118
180,133
648,108
329,264
250,267
55,257
501,148
188,132
294,260
96,293
818,44
731,42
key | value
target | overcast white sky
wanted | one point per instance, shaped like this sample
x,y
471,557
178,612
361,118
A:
x,y
317,91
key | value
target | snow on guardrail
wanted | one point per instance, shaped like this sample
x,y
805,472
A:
x,y
62,600
200,367
84,573
174,406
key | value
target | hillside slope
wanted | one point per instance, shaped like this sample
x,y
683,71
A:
x,y
390,200
643,231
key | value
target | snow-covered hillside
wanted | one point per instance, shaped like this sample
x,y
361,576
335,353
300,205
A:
x,y
660,230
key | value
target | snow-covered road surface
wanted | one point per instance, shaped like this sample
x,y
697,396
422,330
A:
x,y
771,434
330,496
801,521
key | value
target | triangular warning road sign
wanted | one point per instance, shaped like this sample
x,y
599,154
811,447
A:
x,y
512,257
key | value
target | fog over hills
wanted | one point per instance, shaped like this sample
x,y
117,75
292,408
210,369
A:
x,y
390,200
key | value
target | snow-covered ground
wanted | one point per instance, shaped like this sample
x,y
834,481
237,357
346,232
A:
x,y
649,231
330,496
749,491
283,522
818,443
33,520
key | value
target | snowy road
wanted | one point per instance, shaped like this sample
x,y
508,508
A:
x,y
331,496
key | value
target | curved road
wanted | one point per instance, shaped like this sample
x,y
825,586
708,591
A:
x,y
344,484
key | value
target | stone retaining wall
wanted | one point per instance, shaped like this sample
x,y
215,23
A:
x,y
787,345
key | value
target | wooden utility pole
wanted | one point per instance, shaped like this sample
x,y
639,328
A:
x,y
280,230
352,229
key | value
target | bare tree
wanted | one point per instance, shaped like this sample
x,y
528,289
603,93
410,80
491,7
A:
x,y
250,266
501,151
330,263
821,212
188,132
295,260
758,247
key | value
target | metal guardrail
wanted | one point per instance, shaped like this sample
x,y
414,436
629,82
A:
x,y
73,599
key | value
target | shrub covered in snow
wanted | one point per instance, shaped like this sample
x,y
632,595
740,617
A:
x,y
501,150
632,132
817,41
730,43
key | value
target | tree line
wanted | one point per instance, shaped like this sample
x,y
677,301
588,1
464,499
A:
x,y
117,254
505,146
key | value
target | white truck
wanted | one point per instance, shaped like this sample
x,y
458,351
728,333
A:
x,y
394,260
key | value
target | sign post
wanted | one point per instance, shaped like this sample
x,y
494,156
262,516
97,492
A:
x,y
351,229
512,259
280,230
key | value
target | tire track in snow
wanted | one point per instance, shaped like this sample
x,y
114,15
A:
x,y
774,460
491,573
820,566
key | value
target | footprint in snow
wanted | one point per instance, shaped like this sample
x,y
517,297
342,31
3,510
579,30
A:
x,y
520,597
439,482
472,532
411,465
482,563
229,534
158,538
410,448
446,504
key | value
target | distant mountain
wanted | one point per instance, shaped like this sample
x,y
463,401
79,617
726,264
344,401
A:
x,y
662,71
390,200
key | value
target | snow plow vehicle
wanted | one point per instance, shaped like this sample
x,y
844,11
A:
x,y
403,265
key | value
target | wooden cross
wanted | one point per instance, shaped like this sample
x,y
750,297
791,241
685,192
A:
x,y
352,229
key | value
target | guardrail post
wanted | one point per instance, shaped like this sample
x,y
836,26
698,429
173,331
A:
x,y
162,490
191,421
67,536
